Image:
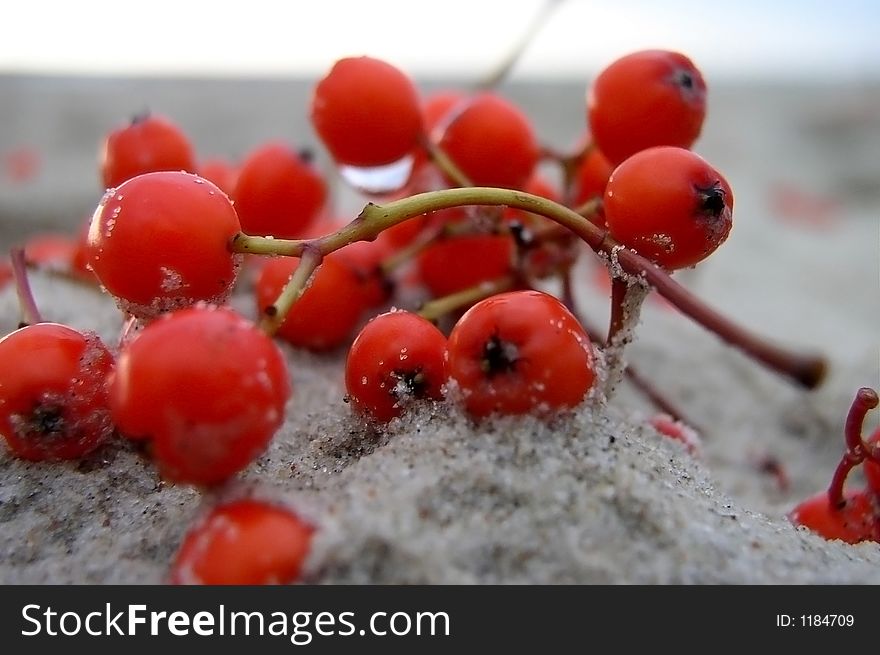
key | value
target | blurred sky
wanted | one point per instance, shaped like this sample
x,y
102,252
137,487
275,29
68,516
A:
x,y
812,39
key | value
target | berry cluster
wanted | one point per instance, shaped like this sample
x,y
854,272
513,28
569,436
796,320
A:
x,y
470,227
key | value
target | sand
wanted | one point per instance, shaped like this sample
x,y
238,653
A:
x,y
594,496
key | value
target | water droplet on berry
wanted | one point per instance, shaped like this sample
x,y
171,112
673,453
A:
x,y
379,179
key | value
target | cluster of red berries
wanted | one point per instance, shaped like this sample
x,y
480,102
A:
x,y
205,389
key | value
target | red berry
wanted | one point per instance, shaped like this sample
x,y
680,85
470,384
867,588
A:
x,y
161,241
278,193
678,431
50,251
404,233
5,273
149,143
872,469
79,263
439,107
328,310
457,263
520,352
398,357
646,99
245,542
492,142
591,177
856,521
367,112
53,397
669,205
364,259
207,387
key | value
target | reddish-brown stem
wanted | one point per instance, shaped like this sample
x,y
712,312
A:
x,y
866,399
569,164
856,450
30,313
647,388
807,370
658,399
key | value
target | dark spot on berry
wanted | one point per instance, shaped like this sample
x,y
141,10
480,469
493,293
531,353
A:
x,y
685,80
271,310
711,200
44,422
411,384
498,356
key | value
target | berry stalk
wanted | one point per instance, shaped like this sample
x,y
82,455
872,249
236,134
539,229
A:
x,y
502,70
627,297
807,370
647,388
30,313
856,450
434,309
274,314
444,162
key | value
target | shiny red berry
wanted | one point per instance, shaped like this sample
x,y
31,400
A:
x,y
669,205
520,352
492,142
645,99
278,192
397,358
367,112
149,143
53,397
458,263
244,542
206,387
160,241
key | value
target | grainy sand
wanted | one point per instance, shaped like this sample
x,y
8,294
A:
x,y
594,496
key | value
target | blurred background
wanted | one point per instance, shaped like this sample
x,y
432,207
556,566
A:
x,y
234,74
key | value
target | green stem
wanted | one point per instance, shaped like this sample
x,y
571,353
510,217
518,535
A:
x,y
274,314
806,369
434,309
444,162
